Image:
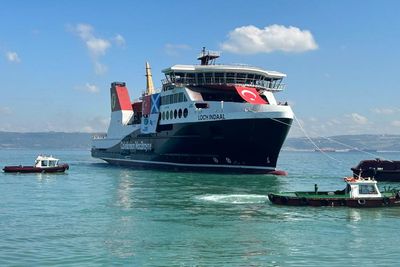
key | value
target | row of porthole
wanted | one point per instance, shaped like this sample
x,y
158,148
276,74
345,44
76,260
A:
x,y
166,115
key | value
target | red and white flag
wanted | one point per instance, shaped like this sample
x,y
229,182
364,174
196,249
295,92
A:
x,y
250,94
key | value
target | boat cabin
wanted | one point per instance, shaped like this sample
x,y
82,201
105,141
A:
x,y
46,162
362,188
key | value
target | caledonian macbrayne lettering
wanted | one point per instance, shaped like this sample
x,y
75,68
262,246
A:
x,y
205,117
136,146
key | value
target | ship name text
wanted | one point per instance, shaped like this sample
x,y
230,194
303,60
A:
x,y
206,117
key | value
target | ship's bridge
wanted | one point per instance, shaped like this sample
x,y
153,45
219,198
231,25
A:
x,y
220,75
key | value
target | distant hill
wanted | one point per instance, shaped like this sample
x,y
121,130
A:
x,y
341,142
49,140
60,140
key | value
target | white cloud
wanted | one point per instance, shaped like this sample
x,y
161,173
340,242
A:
x,y
13,57
90,88
5,111
97,47
87,129
395,123
100,68
358,119
119,40
96,124
252,40
175,49
385,111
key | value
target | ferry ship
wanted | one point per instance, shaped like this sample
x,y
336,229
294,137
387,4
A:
x,y
207,117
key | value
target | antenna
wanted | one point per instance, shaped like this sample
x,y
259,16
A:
x,y
208,57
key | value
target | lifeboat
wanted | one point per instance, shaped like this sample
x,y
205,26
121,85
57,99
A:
x,y
43,164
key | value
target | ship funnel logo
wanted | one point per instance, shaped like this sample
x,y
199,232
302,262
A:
x,y
113,101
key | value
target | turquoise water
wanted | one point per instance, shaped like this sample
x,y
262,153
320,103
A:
x,y
98,215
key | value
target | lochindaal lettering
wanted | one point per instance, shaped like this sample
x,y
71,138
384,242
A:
x,y
207,117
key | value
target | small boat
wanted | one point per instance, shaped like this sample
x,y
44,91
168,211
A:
x,y
380,170
46,164
361,192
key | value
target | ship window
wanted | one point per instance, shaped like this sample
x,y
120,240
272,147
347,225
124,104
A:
x,y
200,78
219,77
185,112
201,105
180,97
180,113
250,78
52,163
163,115
175,98
171,114
208,77
230,77
167,115
44,163
367,189
184,98
189,77
175,114
241,77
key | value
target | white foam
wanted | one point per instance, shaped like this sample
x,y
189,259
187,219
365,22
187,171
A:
x,y
234,198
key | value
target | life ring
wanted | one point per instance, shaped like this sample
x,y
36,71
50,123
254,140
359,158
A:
x,y
362,201
386,201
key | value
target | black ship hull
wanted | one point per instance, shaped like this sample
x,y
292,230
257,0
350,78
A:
x,y
380,170
242,145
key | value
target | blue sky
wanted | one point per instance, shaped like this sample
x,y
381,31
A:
x,y
58,58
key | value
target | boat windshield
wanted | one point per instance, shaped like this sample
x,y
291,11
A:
x,y
367,189
52,163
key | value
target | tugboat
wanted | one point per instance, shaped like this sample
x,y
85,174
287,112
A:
x,y
46,164
359,193
380,170
207,117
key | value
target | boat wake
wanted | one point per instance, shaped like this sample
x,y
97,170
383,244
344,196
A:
x,y
234,198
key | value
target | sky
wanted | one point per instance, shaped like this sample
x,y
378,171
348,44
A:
x,y
58,58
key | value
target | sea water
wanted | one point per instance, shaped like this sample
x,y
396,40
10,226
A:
x,y
99,215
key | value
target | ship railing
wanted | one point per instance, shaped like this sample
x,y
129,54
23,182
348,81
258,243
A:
x,y
190,81
99,136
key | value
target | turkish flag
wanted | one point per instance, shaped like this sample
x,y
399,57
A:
x,y
250,94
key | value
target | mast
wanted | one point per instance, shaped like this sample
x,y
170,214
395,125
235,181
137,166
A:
x,y
208,57
149,80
